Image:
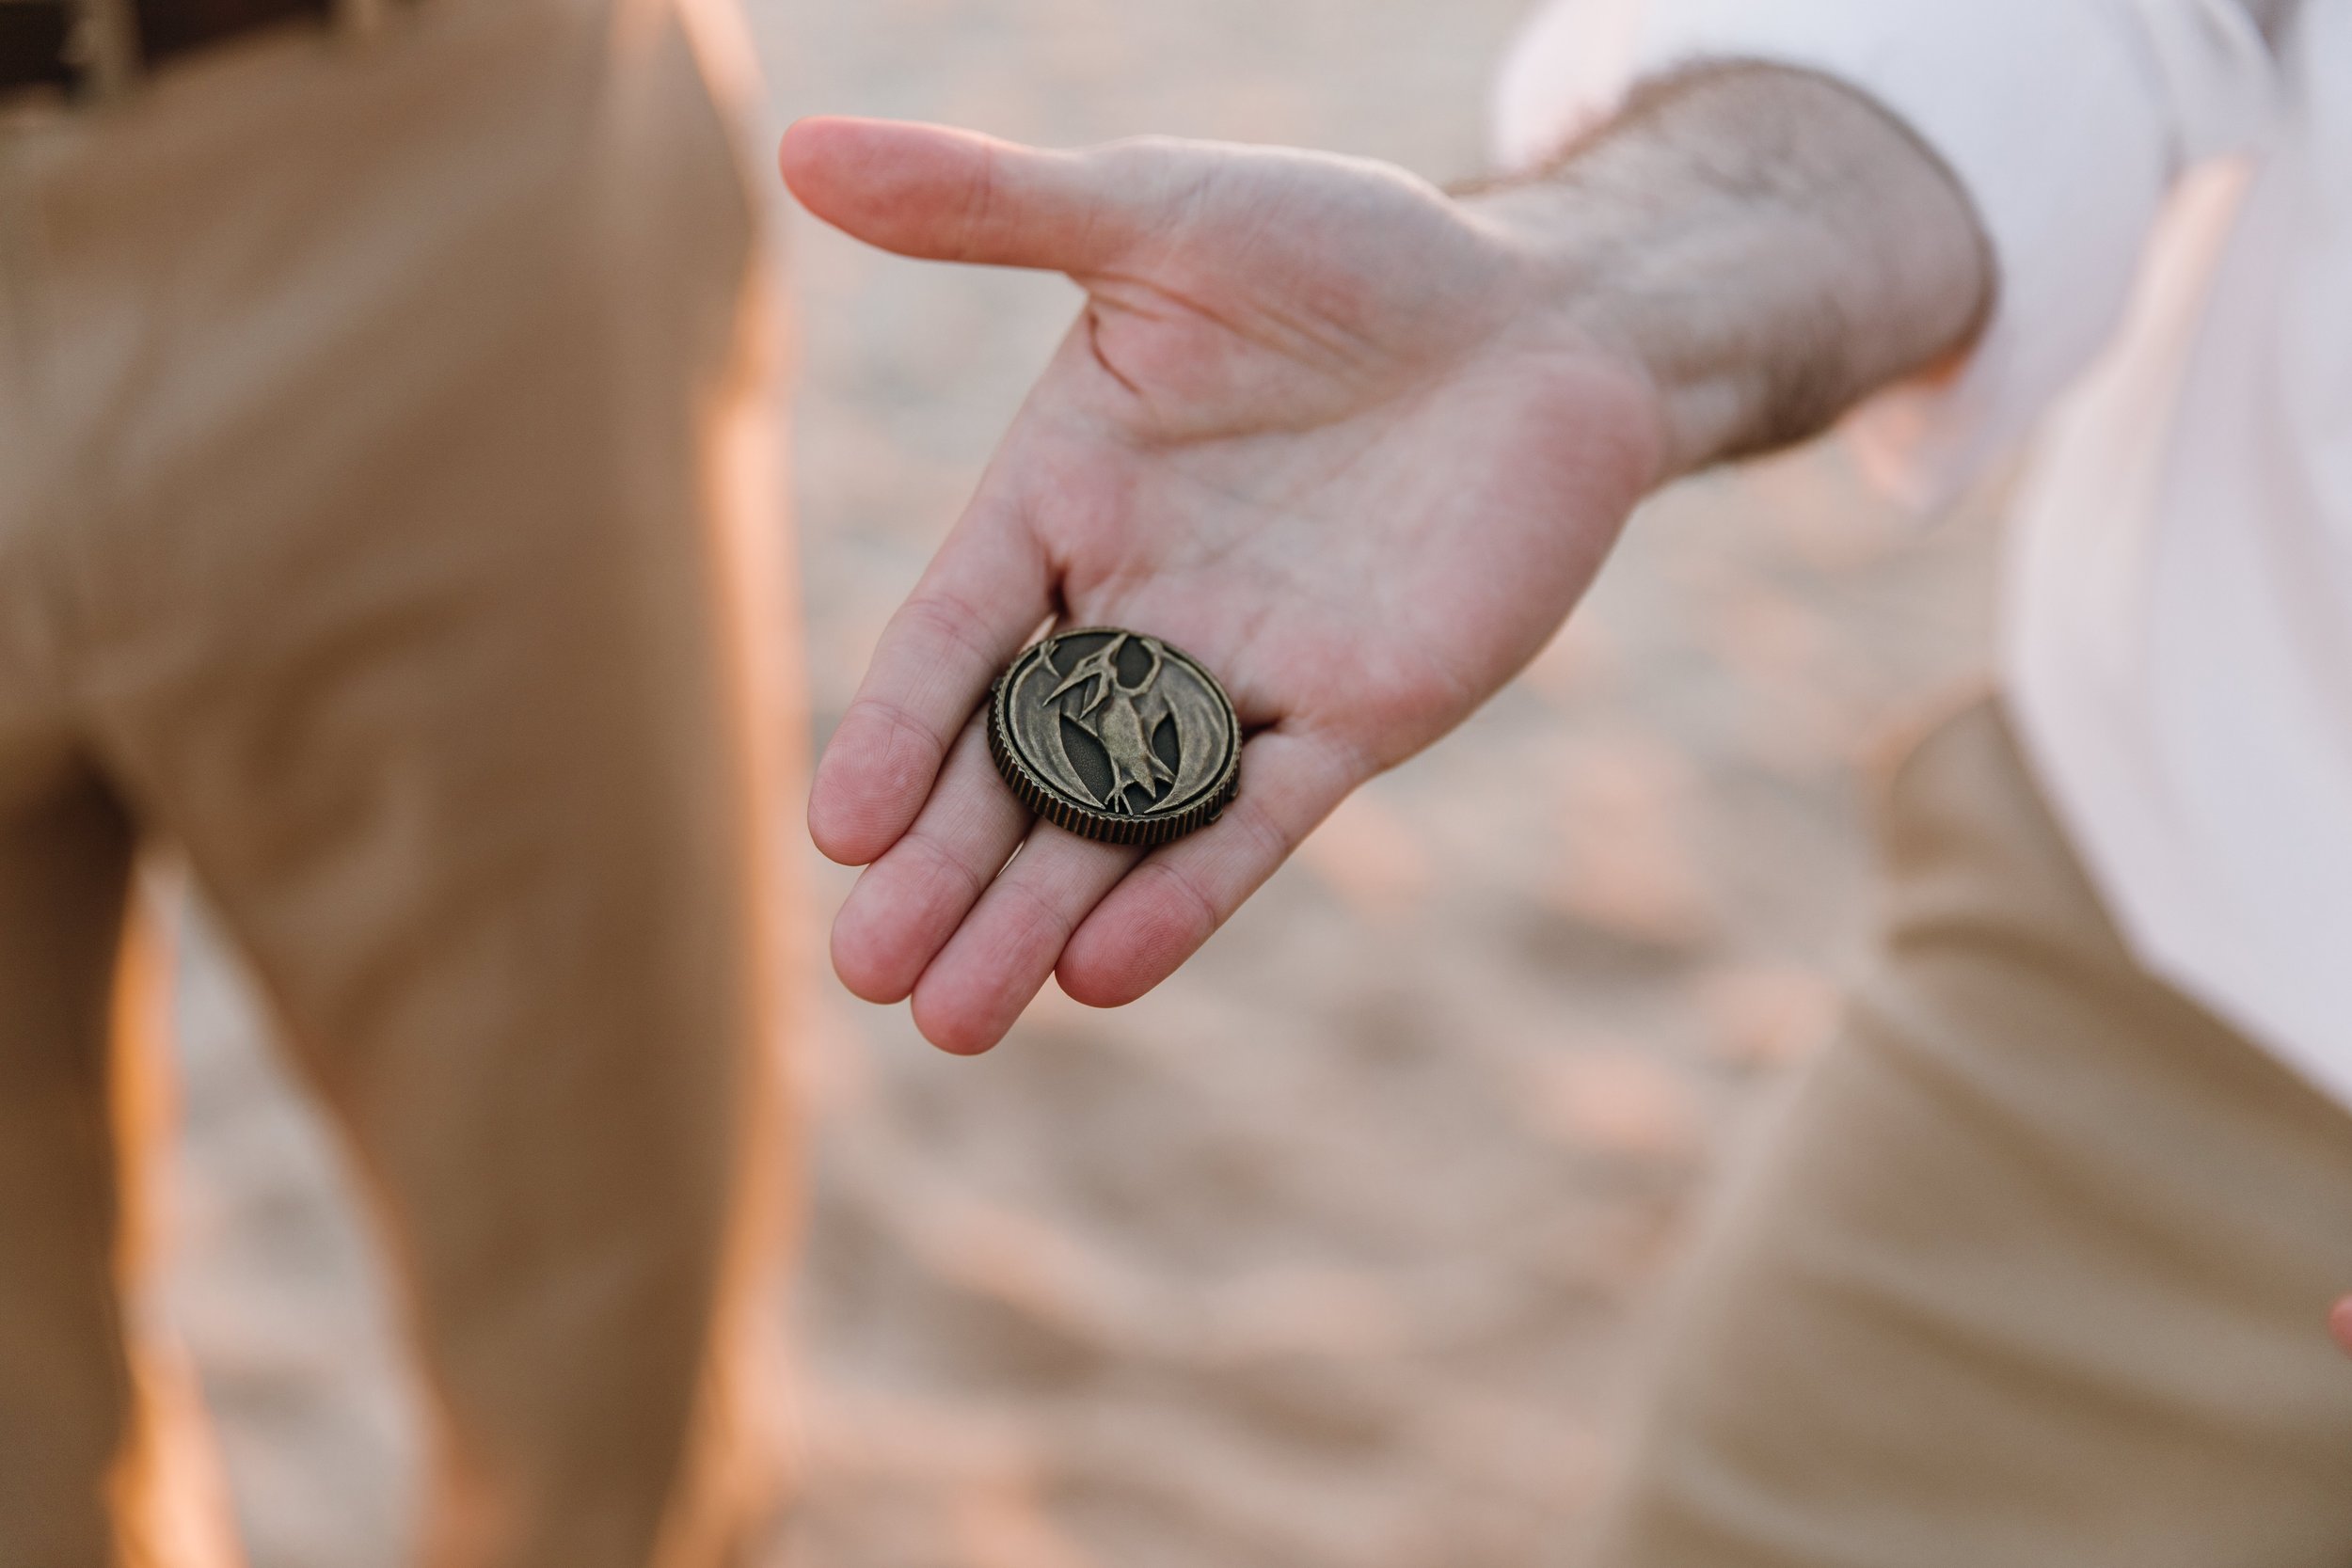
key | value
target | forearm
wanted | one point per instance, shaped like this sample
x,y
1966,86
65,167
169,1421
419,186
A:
x,y
1768,246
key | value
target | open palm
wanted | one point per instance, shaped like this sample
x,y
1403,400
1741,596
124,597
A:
x,y
1315,426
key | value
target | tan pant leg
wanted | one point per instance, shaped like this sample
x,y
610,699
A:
x,y
2037,1273
66,1410
408,612
104,1462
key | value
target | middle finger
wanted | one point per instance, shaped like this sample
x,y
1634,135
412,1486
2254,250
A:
x,y
1009,942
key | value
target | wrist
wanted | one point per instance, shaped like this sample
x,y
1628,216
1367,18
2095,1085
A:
x,y
1762,247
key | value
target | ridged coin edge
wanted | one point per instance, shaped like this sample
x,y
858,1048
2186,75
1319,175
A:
x,y
1101,825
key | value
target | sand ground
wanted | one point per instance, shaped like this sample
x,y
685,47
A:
x,y
1334,1253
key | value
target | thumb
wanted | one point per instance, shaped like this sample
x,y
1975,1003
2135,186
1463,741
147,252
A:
x,y
946,195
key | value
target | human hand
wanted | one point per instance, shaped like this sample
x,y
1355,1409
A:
x,y
1315,426
1356,446
2340,1322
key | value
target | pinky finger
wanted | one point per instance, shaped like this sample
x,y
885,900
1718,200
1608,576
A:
x,y
1175,900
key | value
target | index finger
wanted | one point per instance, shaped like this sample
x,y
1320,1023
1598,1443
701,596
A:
x,y
985,592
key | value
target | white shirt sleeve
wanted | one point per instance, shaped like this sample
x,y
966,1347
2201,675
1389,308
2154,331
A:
x,y
2067,122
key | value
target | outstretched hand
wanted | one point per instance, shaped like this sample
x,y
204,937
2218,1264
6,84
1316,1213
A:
x,y
1315,425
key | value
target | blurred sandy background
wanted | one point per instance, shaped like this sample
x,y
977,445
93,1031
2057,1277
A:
x,y
1334,1253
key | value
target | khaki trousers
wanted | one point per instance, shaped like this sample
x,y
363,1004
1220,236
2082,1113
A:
x,y
2038,1271
376,495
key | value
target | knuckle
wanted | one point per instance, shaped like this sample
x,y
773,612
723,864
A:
x,y
980,204
1205,914
1266,836
904,731
944,617
1037,920
954,873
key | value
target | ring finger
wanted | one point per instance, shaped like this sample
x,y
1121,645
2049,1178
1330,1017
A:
x,y
1009,942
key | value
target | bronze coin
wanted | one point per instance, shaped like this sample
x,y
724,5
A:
x,y
1115,735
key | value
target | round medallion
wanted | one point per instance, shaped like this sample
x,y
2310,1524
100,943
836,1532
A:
x,y
1115,735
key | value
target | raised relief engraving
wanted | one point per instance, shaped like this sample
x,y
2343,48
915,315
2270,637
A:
x,y
1116,735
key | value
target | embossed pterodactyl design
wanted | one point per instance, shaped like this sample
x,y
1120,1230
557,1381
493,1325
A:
x,y
1122,718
